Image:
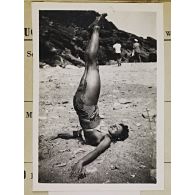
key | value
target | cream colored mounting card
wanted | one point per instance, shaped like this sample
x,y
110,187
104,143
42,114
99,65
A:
x,y
137,94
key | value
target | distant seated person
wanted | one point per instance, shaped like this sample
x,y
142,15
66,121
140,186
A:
x,y
117,54
136,51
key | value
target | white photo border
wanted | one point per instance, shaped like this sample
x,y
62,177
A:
x,y
134,7
96,193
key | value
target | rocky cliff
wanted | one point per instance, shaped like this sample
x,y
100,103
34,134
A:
x,y
64,37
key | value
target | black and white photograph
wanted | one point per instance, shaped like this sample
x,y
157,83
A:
x,y
98,96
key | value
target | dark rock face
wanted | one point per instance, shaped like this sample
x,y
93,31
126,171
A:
x,y
64,36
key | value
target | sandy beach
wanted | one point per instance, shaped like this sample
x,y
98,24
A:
x,y
128,95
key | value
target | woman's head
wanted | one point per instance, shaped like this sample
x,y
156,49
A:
x,y
119,132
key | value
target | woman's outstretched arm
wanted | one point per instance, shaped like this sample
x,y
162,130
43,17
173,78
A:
x,y
103,145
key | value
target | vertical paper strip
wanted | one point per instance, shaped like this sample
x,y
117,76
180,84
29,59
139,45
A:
x,y
27,48
167,140
167,50
28,132
28,175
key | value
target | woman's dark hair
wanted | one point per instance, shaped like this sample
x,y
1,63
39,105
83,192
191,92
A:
x,y
125,133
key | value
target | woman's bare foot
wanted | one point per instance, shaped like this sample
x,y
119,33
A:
x,y
98,20
66,135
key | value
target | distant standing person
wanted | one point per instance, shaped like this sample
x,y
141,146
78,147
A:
x,y
136,51
117,49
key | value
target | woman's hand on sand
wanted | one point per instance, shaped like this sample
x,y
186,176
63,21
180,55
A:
x,y
77,170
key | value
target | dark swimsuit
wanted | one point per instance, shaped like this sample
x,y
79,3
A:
x,y
88,114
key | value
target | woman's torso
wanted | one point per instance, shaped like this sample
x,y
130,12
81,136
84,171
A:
x,y
95,136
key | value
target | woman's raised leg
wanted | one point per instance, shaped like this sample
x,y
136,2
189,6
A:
x,y
92,74
91,77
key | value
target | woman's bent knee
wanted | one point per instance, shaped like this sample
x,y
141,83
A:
x,y
90,56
